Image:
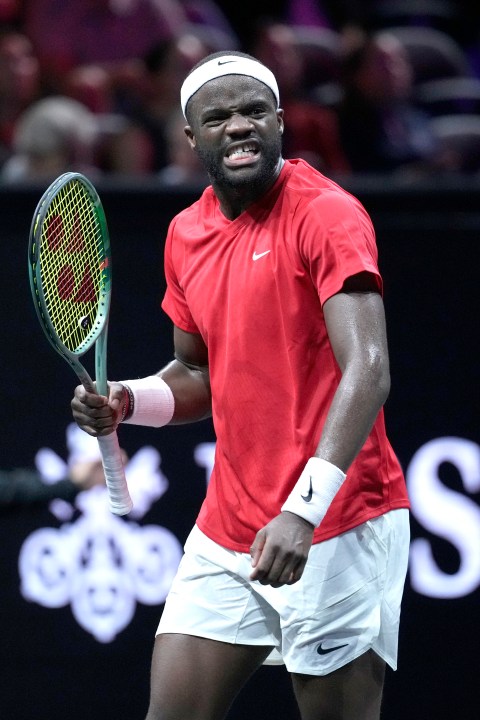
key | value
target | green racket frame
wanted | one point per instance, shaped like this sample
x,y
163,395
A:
x,y
81,332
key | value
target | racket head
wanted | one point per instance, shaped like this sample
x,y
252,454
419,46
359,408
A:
x,y
69,265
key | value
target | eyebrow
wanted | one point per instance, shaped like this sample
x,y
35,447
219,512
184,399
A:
x,y
242,106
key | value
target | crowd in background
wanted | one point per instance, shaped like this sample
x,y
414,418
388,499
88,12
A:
x,y
367,86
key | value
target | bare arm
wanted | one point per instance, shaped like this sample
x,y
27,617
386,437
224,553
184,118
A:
x,y
357,332
187,375
356,327
188,378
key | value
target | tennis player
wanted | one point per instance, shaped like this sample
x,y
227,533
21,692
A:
x,y
300,549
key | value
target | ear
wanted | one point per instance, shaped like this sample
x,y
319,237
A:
x,y
280,120
190,137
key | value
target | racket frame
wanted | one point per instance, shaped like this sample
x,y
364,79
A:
x,y
120,501
99,327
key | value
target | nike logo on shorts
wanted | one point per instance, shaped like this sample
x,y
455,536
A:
x,y
324,651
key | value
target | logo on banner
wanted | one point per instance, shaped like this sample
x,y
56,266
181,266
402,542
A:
x,y
450,513
99,564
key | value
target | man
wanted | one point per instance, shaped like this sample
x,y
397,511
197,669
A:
x,y
300,548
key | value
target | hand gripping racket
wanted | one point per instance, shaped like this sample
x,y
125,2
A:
x,y
70,278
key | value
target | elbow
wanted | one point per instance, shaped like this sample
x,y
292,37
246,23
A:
x,y
375,369
384,385
379,373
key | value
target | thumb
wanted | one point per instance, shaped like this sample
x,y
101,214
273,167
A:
x,y
257,547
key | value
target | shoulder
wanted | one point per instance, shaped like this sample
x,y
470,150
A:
x,y
317,196
196,212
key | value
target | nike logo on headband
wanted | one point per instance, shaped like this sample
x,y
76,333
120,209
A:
x,y
225,62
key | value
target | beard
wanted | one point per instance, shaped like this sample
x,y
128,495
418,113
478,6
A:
x,y
238,180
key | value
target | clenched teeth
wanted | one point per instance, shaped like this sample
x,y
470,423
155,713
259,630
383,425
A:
x,y
246,150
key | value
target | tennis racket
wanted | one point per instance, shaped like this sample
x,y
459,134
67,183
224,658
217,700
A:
x,y
70,279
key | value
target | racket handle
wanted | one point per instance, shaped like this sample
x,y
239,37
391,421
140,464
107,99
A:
x,y
118,495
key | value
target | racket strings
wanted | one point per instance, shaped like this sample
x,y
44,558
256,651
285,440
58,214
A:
x,y
72,265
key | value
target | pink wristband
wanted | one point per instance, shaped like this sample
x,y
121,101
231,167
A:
x,y
153,401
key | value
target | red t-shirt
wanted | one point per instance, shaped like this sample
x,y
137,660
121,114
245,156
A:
x,y
253,288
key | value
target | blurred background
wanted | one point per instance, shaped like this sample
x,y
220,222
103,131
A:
x,y
384,97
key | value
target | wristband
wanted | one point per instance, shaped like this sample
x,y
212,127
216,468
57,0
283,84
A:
x,y
149,401
127,407
314,491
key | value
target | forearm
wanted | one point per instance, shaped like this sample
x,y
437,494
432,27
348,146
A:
x,y
191,389
356,328
25,487
179,393
352,414
362,391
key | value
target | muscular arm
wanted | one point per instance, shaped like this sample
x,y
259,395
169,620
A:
x,y
356,327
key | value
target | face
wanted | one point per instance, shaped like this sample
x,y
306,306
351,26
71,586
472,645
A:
x,y
19,70
236,130
386,73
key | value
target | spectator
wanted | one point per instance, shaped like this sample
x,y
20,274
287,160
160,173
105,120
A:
x,y
381,128
311,131
210,21
19,84
25,486
184,166
54,135
70,34
144,148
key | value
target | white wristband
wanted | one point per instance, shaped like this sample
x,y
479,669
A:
x,y
314,491
153,401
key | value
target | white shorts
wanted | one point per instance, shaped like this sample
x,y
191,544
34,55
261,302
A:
x,y
346,602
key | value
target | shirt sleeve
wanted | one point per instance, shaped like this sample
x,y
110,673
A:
x,y
174,302
337,241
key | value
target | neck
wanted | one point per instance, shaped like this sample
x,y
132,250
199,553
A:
x,y
235,200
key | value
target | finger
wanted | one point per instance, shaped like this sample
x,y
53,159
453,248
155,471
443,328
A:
x,y
257,547
261,570
297,573
261,563
278,573
284,569
85,398
116,401
96,418
115,393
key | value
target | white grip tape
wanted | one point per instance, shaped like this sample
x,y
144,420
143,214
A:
x,y
120,501
314,491
153,404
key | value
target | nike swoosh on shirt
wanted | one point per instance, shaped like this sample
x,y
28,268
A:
x,y
257,256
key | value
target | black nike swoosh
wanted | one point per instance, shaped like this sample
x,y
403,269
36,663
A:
x,y
308,496
324,651
225,62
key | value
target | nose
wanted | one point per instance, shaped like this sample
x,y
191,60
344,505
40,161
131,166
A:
x,y
238,124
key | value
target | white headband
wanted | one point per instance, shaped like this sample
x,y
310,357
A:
x,y
226,65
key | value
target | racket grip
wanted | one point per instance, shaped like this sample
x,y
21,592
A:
x,y
118,495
